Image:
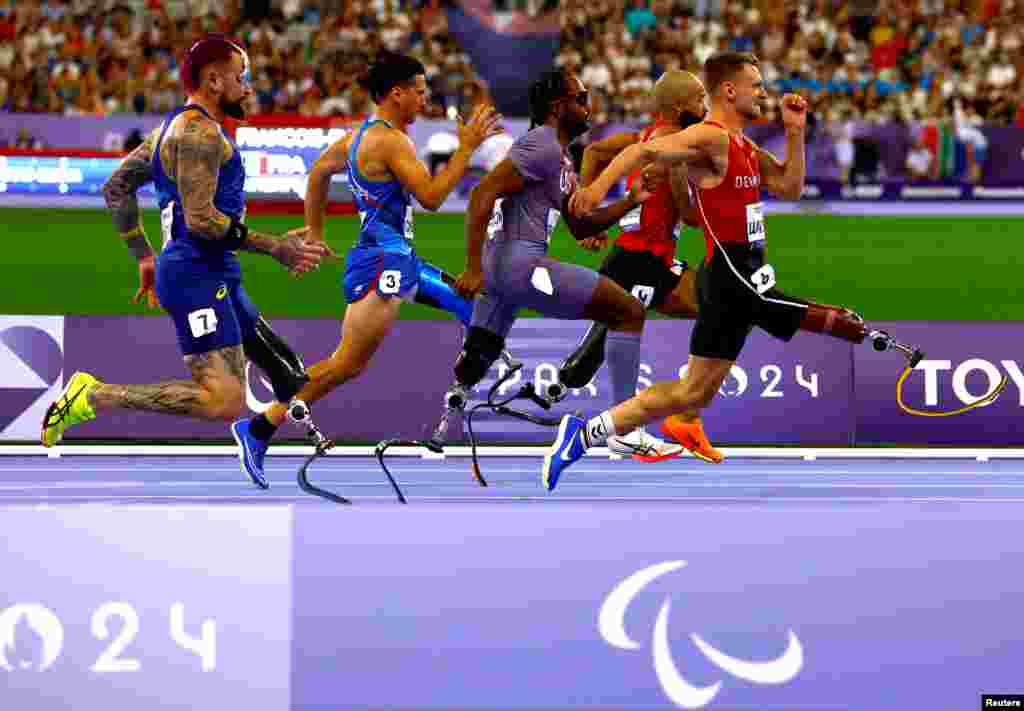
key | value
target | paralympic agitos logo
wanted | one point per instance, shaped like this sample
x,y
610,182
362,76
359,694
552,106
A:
x,y
676,687
31,361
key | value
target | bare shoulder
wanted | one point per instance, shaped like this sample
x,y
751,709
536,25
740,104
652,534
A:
x,y
193,136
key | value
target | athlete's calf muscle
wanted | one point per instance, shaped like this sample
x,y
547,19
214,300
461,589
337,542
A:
x,y
216,392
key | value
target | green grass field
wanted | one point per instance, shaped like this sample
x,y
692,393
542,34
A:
x,y
930,268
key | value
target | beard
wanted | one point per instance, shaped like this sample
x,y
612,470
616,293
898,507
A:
x,y
575,127
688,118
234,109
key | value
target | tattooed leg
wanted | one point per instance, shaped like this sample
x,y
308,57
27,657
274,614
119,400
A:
x,y
216,391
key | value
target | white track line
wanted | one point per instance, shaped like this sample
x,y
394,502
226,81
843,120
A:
x,y
497,451
269,499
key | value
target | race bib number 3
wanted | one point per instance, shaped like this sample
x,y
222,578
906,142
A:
x,y
755,222
390,281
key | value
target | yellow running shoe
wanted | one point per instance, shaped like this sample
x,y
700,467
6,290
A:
x,y
71,408
691,435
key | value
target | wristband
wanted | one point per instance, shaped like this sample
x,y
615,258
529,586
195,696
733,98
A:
x,y
138,247
236,235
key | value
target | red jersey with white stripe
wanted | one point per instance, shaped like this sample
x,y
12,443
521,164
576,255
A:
x,y
652,226
732,212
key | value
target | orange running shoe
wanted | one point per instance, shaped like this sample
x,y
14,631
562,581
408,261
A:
x,y
691,435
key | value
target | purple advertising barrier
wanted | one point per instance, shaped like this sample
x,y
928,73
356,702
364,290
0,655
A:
x,y
777,393
151,607
658,606
399,394
964,362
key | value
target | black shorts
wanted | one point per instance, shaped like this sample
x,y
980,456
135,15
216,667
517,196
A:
x,y
642,274
730,303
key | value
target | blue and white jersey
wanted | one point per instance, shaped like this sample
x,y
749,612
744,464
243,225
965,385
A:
x,y
179,241
385,207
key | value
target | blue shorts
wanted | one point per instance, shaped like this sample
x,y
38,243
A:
x,y
390,273
210,309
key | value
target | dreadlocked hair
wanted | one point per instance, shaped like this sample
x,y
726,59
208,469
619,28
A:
x,y
551,86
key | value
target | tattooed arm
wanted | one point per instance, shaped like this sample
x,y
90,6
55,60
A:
x,y
201,150
120,190
201,153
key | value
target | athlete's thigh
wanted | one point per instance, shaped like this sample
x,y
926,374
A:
x,y
779,314
436,288
365,325
493,313
643,275
199,303
245,310
724,320
387,273
610,303
555,289
681,300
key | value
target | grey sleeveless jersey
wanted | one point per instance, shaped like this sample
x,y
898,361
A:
x,y
547,170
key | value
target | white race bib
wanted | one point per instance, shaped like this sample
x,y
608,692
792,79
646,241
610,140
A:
x,y
497,219
167,223
755,222
763,279
631,220
553,217
408,222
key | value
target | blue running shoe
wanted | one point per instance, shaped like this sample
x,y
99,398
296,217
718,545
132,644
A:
x,y
567,448
251,450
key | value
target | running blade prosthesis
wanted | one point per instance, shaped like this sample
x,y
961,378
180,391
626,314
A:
x,y
501,407
882,341
298,412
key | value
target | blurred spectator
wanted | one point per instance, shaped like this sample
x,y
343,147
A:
x,y
101,57
873,60
919,161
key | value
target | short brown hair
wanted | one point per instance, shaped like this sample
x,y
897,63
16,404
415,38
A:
x,y
724,66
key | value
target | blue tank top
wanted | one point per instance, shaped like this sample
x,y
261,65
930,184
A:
x,y
385,208
179,241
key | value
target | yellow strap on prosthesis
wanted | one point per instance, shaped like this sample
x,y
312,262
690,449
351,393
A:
x,y
966,408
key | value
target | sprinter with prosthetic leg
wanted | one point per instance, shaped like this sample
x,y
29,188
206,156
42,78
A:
x,y
515,210
736,284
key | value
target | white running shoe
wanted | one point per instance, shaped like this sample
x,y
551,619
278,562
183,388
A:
x,y
643,446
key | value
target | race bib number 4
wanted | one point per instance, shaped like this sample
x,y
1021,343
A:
x,y
764,278
755,222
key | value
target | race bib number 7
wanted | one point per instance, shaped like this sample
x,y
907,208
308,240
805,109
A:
x,y
755,222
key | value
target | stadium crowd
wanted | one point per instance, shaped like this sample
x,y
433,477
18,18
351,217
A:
x,y
105,57
871,60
